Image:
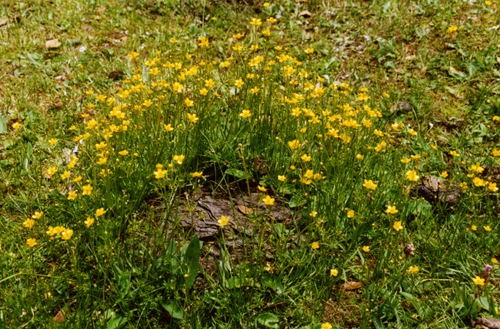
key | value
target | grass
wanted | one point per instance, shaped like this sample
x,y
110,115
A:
x,y
109,141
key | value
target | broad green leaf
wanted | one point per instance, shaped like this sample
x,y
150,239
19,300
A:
x,y
174,308
271,281
268,320
116,322
192,259
238,173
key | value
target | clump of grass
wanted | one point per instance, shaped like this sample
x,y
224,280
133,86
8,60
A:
x,y
198,113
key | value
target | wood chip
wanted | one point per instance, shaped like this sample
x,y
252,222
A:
x,y
352,285
59,316
245,210
54,43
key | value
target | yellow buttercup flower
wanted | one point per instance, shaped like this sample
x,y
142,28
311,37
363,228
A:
x,y
100,212
89,221
256,22
262,189
397,226
268,200
412,176
179,158
478,281
366,249
334,272
281,178
315,245
223,221
29,223
326,325
16,125
160,173
487,228
192,117
31,242
350,214
413,269
473,227
391,210
245,114
52,141
87,189
37,215
197,174
306,158
369,184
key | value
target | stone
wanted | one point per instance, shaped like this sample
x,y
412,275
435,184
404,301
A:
x,y
436,190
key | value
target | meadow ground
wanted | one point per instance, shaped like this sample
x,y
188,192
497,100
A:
x,y
243,164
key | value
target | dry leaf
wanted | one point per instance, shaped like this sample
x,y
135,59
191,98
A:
x,y
245,210
305,13
59,316
101,10
498,58
351,285
54,43
423,70
454,70
3,22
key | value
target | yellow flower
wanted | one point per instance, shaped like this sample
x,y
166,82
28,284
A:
x,y
255,90
281,178
272,20
415,157
197,174
313,213
494,260
386,95
179,158
66,235
31,242
266,4
256,22
434,147
315,245
444,174
405,160
223,221
16,125
350,214
306,158
188,102
309,50
52,141
204,91
478,281
100,212
37,215
102,160
77,179
493,187
487,228
473,227
268,200
160,173
238,83
366,249
413,269
168,127
91,124
192,117
29,223
479,182
245,114
52,171
452,29
72,195
495,152
326,325
397,226
334,272
294,144
124,152
262,189
412,132
412,176
89,221
87,189
378,133
391,210
360,157
369,184
101,145
132,55
454,153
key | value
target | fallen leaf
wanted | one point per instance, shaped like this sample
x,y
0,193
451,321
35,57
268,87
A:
x,y
305,13
498,58
245,210
54,43
454,70
101,10
3,22
423,71
351,285
59,316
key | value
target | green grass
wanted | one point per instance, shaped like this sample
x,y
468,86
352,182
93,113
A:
x,y
308,143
